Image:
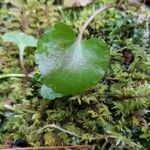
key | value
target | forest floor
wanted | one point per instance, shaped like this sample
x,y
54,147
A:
x,y
114,114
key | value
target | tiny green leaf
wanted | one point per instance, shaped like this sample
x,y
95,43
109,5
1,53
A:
x,y
69,66
21,39
48,93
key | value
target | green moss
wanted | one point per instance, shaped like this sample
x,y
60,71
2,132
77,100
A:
x,y
115,113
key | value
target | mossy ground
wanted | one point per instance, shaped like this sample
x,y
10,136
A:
x,y
114,114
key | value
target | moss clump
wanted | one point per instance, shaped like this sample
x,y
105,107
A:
x,y
114,114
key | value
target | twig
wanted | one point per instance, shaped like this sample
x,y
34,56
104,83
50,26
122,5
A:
x,y
59,128
125,98
14,109
70,133
148,29
14,75
92,17
24,20
104,145
53,147
9,107
47,12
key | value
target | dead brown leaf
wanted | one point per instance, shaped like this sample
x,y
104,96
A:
x,y
76,3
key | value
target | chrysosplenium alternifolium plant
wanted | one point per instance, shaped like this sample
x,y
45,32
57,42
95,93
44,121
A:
x,y
69,65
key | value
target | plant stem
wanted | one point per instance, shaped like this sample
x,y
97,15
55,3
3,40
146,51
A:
x,y
68,132
21,51
14,75
59,128
92,17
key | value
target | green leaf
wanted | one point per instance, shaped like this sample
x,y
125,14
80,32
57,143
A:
x,y
48,93
21,39
69,66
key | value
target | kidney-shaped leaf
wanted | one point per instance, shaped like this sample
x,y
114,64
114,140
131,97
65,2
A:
x,y
68,66
21,39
